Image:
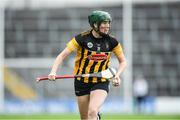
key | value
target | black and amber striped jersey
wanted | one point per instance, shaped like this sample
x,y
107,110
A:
x,y
86,45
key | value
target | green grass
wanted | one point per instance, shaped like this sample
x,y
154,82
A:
x,y
76,117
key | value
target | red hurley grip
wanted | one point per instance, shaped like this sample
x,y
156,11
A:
x,y
57,77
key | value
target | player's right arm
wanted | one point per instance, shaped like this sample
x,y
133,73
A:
x,y
71,46
57,62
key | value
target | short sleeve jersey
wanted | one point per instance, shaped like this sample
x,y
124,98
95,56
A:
x,y
85,44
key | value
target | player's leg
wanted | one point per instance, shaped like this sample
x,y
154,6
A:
x,y
82,91
98,94
97,98
83,104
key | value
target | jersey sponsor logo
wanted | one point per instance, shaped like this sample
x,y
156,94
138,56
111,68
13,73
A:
x,y
97,57
89,44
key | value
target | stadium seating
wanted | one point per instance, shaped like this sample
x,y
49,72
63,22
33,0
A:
x,y
45,32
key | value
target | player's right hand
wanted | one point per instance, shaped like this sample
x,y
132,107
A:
x,y
52,76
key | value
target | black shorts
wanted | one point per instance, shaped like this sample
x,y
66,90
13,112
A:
x,y
82,88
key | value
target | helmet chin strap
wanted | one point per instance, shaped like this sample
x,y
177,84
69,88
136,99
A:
x,y
103,34
96,28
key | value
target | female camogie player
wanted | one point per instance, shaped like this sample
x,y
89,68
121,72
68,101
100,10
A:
x,y
92,92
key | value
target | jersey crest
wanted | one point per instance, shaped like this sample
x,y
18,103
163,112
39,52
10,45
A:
x,y
90,44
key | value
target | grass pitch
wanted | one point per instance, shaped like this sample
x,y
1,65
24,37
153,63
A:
x,y
76,117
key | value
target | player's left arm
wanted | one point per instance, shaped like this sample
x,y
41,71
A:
x,y
122,64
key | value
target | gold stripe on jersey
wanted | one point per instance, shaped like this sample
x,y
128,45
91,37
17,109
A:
x,y
77,60
95,71
86,62
84,53
87,69
106,65
117,50
73,45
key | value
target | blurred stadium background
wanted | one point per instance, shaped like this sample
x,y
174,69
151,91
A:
x,y
33,32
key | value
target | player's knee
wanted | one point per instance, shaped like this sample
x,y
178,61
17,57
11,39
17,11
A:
x,y
92,112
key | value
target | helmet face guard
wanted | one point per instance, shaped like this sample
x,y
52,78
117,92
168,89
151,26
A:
x,y
97,17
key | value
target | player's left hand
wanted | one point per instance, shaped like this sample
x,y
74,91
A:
x,y
116,81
